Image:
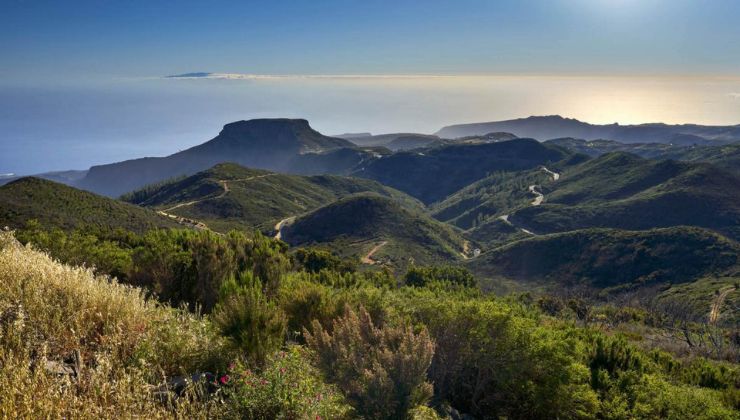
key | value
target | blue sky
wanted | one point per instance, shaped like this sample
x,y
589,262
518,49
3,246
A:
x,y
63,41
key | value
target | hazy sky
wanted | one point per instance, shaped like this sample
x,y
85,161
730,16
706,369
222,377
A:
x,y
57,40
81,81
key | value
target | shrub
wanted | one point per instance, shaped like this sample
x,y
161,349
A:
x,y
315,260
493,360
447,274
287,388
381,370
253,324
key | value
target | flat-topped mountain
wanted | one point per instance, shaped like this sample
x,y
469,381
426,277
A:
x,y
555,126
65,207
262,143
229,196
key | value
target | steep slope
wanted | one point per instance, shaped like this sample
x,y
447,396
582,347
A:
x,y
555,126
229,196
624,191
370,224
57,205
262,143
608,258
435,173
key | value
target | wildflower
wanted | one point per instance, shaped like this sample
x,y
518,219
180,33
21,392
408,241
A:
x,y
282,370
224,379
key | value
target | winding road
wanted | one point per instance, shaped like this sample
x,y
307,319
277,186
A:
x,y
538,199
195,223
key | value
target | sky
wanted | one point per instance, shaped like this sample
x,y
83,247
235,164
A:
x,y
81,82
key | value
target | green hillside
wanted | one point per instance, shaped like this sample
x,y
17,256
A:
x,y
433,174
723,156
489,198
58,205
609,258
229,196
624,191
355,225
726,157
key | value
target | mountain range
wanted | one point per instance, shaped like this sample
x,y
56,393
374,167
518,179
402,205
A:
x,y
513,209
555,126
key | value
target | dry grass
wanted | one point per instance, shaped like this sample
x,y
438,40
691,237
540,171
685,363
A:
x,y
49,311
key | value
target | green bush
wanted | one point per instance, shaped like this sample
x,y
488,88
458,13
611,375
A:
x,y
253,324
381,370
446,274
288,387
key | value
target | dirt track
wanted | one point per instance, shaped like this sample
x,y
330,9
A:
x,y
280,225
368,259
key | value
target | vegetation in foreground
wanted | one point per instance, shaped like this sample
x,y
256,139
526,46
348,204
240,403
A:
x,y
282,338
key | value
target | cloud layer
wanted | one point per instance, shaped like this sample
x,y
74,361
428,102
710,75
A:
x,y
248,76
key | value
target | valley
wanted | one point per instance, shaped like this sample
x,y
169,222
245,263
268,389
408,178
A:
x,y
634,239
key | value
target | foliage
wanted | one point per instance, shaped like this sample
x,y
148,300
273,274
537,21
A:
x,y
382,370
445,274
253,324
491,361
67,208
288,387
316,260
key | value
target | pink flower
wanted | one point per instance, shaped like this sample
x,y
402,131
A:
x,y
224,379
282,370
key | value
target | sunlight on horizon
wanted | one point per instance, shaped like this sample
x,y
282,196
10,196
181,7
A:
x,y
100,123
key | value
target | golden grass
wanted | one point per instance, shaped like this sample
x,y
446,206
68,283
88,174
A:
x,y
127,343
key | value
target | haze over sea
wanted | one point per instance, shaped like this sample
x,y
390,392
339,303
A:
x,y
83,123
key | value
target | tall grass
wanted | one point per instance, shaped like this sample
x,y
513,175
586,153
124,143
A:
x,y
126,343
